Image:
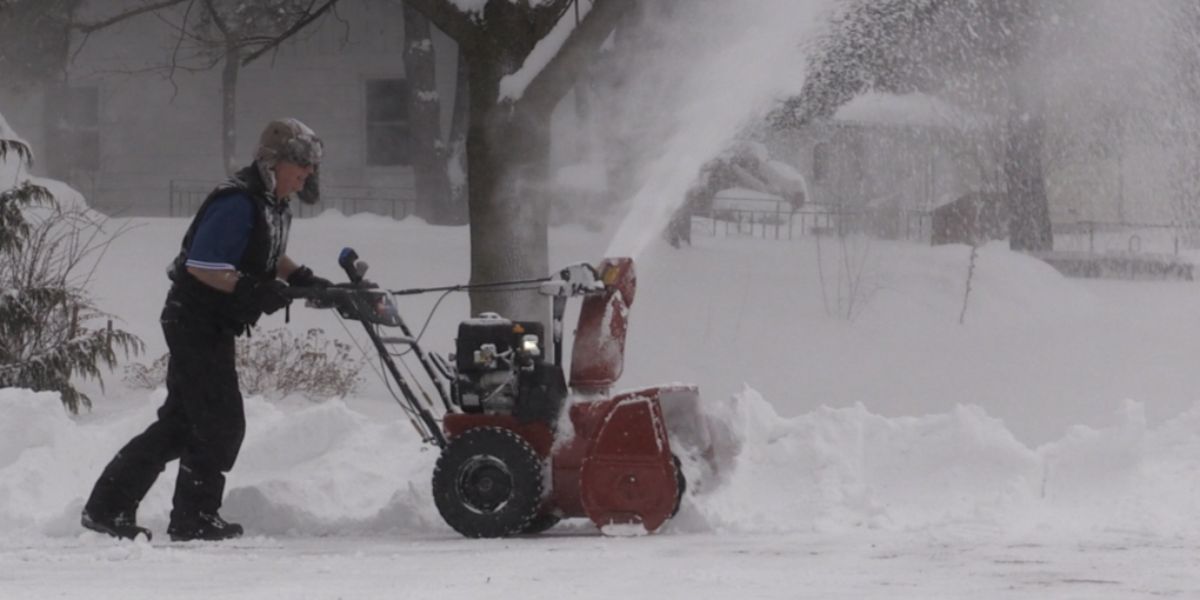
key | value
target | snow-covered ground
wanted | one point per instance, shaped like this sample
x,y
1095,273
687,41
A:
x,y
1045,448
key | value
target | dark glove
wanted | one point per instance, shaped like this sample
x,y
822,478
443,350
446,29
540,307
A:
x,y
256,295
303,277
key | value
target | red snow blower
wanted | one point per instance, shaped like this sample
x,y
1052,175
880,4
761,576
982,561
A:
x,y
521,446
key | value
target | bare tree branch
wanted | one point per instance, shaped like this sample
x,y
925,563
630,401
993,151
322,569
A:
x,y
175,51
82,43
301,24
182,28
345,27
216,17
129,14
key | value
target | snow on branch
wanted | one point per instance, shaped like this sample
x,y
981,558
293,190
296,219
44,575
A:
x,y
513,86
581,46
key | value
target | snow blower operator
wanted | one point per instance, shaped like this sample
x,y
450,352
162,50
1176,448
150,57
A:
x,y
230,271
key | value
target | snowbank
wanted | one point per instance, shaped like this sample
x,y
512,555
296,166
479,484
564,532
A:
x,y
900,420
327,469
840,469
317,469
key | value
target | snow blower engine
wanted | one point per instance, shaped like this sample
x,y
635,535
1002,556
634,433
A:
x,y
523,446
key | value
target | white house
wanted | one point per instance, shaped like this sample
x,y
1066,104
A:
x,y
126,135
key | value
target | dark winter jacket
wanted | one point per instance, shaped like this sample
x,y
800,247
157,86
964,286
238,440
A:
x,y
192,301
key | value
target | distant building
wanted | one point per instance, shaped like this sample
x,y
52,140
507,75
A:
x,y
124,135
900,158
895,157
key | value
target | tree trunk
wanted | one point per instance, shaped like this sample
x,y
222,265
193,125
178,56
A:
x,y
508,142
506,149
456,162
1029,210
229,82
424,112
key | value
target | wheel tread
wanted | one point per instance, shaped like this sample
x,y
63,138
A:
x,y
525,468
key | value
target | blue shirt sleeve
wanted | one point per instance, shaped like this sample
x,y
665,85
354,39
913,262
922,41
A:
x,y
222,234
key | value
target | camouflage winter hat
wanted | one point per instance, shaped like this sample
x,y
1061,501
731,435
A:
x,y
289,139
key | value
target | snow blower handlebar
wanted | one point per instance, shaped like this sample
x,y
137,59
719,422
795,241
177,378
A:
x,y
361,300
574,280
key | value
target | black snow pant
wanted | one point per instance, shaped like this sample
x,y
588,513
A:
x,y
202,424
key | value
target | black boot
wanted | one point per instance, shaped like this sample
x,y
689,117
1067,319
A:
x,y
123,525
202,526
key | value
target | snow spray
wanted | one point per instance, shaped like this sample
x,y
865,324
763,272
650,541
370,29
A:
x,y
734,59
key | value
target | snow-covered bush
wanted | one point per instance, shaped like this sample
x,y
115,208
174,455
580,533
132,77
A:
x,y
277,364
47,319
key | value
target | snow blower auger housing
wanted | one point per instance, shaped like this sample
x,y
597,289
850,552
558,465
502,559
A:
x,y
521,445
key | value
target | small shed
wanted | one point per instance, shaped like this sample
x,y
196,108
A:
x,y
973,218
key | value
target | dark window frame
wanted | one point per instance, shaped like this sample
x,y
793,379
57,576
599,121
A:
x,y
388,129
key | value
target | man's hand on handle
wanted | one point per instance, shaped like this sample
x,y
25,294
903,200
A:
x,y
304,277
264,295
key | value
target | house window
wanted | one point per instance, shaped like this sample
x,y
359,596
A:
x,y
388,129
820,162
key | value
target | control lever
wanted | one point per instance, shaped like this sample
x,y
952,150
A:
x,y
574,280
355,269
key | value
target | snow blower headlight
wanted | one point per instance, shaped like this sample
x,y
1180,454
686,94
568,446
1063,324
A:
x,y
610,274
529,345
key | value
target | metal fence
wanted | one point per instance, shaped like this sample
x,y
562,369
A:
x,y
1128,237
396,202
917,226
783,224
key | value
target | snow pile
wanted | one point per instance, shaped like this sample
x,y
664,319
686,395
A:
x,y
841,469
316,469
47,462
327,469
899,420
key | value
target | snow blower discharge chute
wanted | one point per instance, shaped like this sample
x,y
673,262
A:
x,y
523,446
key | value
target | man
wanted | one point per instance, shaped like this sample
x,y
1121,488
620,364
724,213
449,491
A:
x,y
230,271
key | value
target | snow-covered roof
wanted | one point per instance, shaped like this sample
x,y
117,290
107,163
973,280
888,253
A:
x,y
913,109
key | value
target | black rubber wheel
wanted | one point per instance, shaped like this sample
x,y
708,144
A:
x,y
543,521
488,483
680,483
